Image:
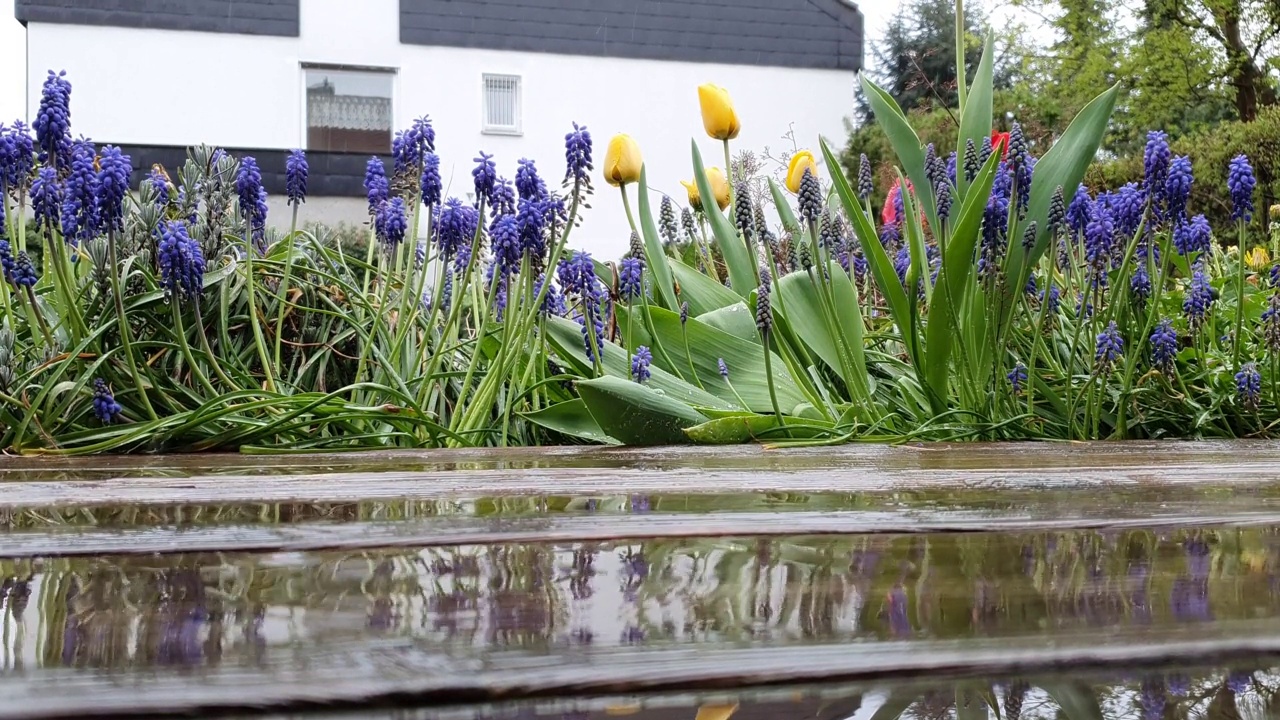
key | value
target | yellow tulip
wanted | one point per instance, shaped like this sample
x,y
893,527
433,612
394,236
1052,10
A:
x,y
695,199
622,161
1275,212
801,160
718,115
1257,259
719,187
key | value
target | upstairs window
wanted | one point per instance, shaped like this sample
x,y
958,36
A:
x,y
349,110
501,104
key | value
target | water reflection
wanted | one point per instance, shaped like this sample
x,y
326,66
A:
x,y
1208,694
202,610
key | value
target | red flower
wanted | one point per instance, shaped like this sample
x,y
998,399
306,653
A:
x,y
889,214
1000,141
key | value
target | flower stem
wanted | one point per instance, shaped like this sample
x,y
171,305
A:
x,y
123,323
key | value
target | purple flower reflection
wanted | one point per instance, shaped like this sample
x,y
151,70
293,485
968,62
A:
x,y
899,621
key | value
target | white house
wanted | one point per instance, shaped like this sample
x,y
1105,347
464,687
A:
x,y
338,77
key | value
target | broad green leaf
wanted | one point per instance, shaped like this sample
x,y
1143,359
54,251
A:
x,y
783,205
655,257
945,327
701,292
1076,700
742,269
570,418
637,414
706,346
975,124
736,320
802,307
905,142
877,259
739,429
1064,165
566,337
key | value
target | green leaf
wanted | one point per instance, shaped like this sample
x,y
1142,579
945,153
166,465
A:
x,y
905,142
789,222
1064,165
877,259
742,270
802,308
701,292
655,258
706,346
1076,700
570,418
566,337
738,429
736,320
949,297
975,124
637,414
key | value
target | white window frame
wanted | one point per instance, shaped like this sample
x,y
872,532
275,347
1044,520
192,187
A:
x,y
488,128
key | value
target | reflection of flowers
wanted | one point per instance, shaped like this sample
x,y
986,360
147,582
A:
x,y
899,622
1189,597
1152,699
1238,681
1178,685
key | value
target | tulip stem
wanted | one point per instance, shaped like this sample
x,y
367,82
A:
x,y
626,205
728,173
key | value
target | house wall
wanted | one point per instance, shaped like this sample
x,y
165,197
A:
x,y
164,87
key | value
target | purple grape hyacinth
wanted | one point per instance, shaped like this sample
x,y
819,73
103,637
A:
x,y
640,364
181,261
630,278
390,223
376,186
429,183
1164,346
1241,182
1110,347
53,119
295,177
577,155
80,195
105,407
1249,385
46,199
17,156
114,169
456,227
485,175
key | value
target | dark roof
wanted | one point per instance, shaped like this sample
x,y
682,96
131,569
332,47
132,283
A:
x,y
792,33
248,17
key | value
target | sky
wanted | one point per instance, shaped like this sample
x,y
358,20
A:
x,y
13,49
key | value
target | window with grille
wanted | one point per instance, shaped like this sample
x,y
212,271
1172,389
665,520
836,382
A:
x,y
349,110
502,104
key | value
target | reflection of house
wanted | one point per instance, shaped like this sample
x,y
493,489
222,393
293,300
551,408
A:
x,y
507,76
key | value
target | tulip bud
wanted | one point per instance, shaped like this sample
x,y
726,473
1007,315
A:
x,y
622,161
719,187
802,160
718,116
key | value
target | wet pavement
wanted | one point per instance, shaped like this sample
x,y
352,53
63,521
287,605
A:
x,y
976,588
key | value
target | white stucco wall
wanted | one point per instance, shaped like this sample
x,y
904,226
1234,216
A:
x,y
181,88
